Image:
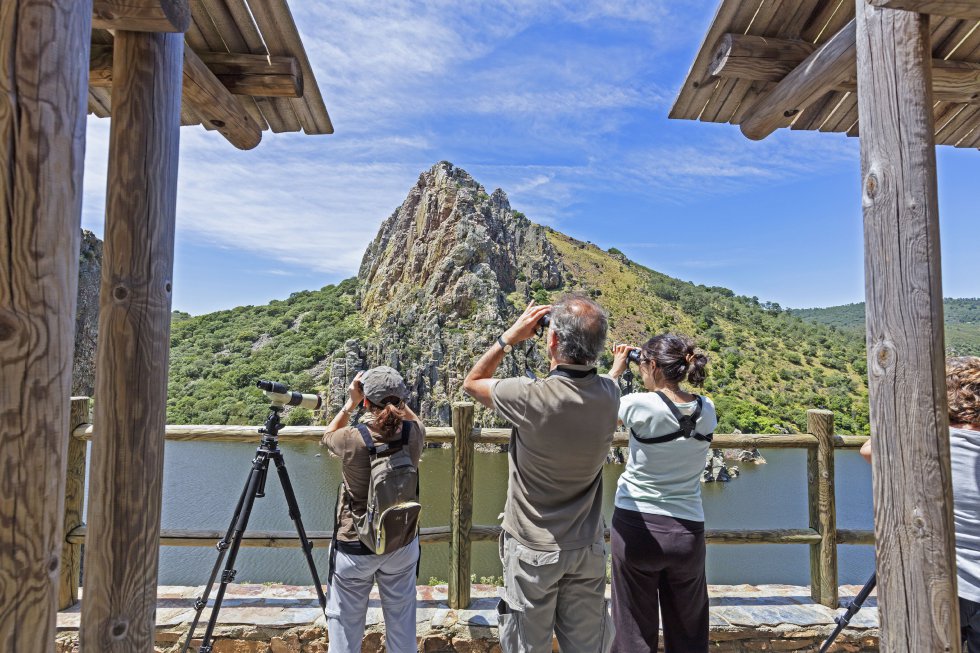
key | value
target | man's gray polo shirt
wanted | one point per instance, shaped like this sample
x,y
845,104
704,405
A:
x,y
564,428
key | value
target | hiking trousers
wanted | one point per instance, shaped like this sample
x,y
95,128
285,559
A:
x,y
350,589
658,568
549,594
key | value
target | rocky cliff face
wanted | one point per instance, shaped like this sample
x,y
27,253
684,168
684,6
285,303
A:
x,y
87,315
442,279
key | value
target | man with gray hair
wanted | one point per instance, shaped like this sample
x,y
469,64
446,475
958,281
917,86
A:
x,y
552,546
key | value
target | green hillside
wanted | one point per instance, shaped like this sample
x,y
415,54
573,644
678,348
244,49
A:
x,y
962,322
766,368
215,359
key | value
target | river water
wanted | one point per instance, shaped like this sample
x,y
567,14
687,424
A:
x,y
202,481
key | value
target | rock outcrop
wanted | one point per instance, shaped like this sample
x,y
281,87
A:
x,y
445,275
87,315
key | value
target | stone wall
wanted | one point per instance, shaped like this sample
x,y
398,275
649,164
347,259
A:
x,y
283,619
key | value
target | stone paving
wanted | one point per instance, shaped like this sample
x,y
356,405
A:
x,y
743,617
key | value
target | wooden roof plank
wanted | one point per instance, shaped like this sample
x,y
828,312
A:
x,y
273,17
817,26
798,21
699,85
845,115
955,8
817,113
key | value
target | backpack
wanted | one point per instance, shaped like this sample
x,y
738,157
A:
x,y
391,520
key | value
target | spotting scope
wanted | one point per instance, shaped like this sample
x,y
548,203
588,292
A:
x,y
280,395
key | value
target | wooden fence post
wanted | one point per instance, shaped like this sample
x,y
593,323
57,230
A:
x,y
823,508
462,506
71,554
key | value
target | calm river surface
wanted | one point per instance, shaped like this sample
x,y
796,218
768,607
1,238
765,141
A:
x,y
203,480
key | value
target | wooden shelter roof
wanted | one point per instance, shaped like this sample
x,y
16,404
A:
x,y
254,50
729,84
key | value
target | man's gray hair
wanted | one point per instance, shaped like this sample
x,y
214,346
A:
x,y
581,325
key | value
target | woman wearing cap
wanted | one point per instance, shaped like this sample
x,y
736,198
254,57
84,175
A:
x,y
356,568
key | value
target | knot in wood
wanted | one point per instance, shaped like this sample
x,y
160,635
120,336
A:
x,y
119,629
120,292
8,325
918,522
871,185
883,357
168,287
53,565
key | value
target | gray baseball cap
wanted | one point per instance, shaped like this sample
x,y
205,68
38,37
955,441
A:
x,y
382,382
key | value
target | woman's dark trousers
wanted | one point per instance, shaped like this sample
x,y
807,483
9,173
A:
x,y
658,563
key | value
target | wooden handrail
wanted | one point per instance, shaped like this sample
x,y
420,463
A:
x,y
478,533
446,434
822,535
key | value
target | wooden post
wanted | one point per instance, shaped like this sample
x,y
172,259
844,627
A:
x,y
122,550
71,554
823,508
913,500
44,52
462,507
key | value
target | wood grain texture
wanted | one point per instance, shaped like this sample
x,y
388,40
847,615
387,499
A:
x,y
43,73
771,59
461,507
216,105
134,343
142,15
968,9
821,424
818,75
906,372
758,57
851,536
71,554
478,533
241,74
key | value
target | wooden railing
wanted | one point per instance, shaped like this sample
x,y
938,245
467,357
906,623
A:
x,y
822,535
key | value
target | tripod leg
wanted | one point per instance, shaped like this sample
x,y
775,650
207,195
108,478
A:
x,y
222,547
305,544
259,469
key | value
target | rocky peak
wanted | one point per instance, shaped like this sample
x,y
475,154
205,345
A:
x,y
441,280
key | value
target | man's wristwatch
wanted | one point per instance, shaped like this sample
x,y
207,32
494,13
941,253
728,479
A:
x,y
503,344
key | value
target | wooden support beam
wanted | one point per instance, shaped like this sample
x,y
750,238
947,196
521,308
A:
x,y
913,499
44,53
256,74
771,59
216,105
134,341
966,9
755,57
242,74
817,75
142,15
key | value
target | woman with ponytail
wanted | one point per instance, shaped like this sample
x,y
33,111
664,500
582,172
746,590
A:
x,y
354,566
658,547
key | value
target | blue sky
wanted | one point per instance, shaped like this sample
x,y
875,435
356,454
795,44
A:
x,y
563,105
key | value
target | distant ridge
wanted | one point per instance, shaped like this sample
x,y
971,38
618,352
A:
x,y
962,318
448,271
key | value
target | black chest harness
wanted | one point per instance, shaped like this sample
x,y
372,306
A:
x,y
687,423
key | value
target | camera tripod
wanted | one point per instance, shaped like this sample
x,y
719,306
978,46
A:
x,y
230,543
852,609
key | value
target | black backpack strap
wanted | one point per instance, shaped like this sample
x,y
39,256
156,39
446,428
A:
x,y
406,432
688,423
658,439
368,440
